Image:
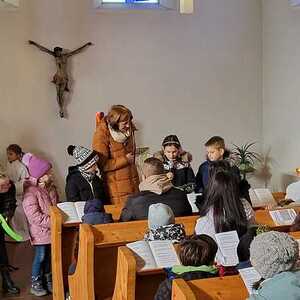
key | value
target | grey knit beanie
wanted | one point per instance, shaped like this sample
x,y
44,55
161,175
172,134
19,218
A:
x,y
273,252
85,157
160,214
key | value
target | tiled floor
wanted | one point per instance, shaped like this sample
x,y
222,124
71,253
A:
x,y
20,255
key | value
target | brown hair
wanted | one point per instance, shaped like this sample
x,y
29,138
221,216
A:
x,y
171,140
15,148
198,250
117,114
216,141
153,166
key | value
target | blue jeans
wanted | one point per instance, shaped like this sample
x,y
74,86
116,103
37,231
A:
x,y
41,261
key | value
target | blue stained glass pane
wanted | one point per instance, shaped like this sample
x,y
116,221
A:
x,y
113,1
146,1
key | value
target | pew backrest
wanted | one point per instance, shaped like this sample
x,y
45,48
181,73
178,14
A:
x,y
106,240
225,288
132,284
63,240
264,217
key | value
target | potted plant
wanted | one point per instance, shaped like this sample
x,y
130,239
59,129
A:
x,y
244,158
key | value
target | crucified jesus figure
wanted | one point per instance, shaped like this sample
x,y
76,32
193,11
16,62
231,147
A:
x,y
60,79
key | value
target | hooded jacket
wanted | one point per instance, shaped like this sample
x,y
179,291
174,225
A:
x,y
155,189
79,189
36,204
285,285
94,213
184,177
120,177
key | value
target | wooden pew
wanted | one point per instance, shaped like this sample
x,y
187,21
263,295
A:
x,y
63,242
97,256
63,238
263,217
131,284
126,275
278,196
225,288
295,235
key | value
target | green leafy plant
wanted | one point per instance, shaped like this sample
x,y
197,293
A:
x,y
244,158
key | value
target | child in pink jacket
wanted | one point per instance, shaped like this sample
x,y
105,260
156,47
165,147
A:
x,y
39,195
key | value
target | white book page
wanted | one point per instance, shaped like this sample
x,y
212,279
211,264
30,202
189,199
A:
x,y
79,205
143,255
250,276
254,199
283,216
70,212
164,254
265,196
227,243
192,199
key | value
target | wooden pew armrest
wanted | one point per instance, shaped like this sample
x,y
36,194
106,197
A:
x,y
83,278
56,220
181,290
126,275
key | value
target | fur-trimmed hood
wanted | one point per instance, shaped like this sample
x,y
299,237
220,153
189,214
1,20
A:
x,y
184,156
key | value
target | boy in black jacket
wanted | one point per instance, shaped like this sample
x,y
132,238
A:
x,y
82,182
7,208
217,153
197,255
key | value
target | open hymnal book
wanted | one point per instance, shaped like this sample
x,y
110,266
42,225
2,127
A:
x,y
192,199
154,254
250,276
227,248
73,211
283,216
261,197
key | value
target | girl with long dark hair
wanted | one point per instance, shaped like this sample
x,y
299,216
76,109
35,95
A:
x,y
223,209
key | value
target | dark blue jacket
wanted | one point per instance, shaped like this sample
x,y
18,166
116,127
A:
x,y
202,176
137,206
97,218
94,213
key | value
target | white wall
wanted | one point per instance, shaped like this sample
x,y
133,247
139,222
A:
x,y
281,97
194,75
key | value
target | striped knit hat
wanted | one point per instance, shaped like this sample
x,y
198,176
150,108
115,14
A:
x,y
85,158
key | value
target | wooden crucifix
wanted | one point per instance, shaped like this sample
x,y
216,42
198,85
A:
x,y
60,79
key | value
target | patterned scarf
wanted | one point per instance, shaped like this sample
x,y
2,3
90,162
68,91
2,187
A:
x,y
119,136
88,176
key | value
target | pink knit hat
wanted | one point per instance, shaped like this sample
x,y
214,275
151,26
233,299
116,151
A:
x,y
36,166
